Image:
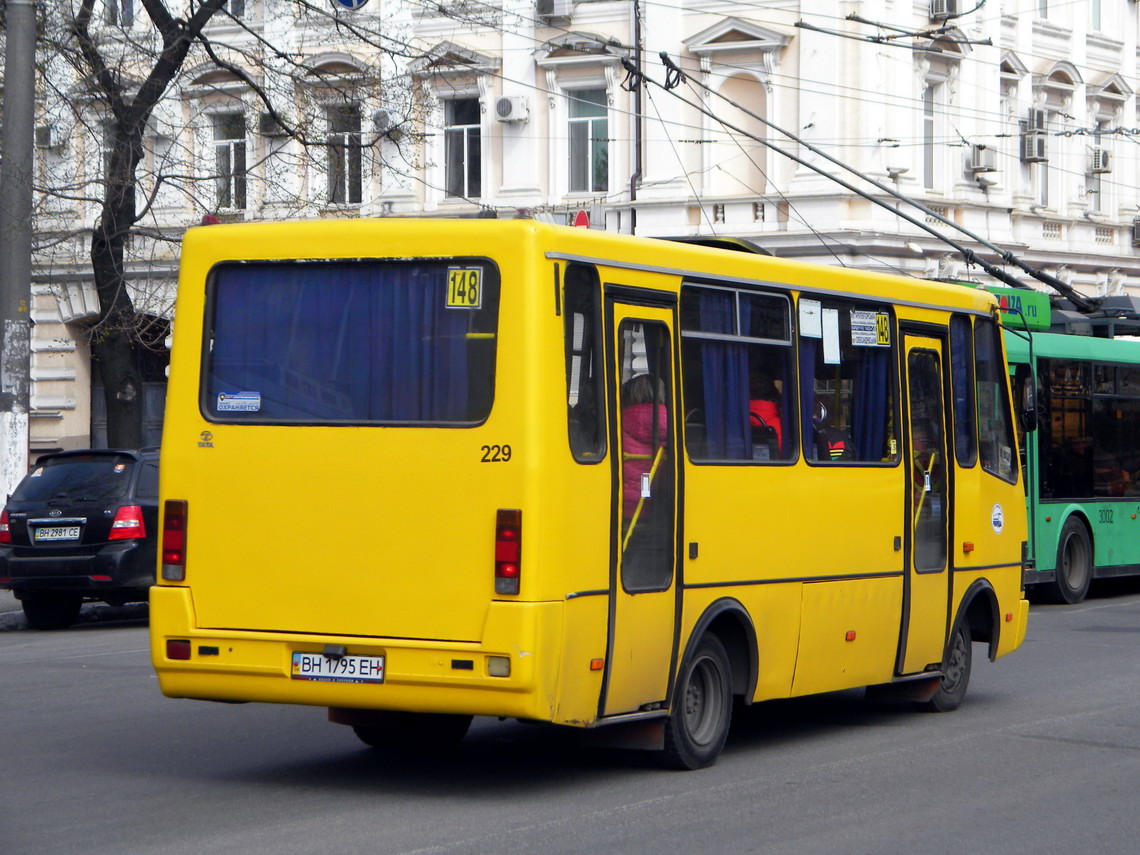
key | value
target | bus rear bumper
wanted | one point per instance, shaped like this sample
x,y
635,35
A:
x,y
418,675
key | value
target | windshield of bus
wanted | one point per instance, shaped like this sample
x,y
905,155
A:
x,y
327,342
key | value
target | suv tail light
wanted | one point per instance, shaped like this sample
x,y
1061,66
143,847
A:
x,y
174,540
508,550
128,523
5,529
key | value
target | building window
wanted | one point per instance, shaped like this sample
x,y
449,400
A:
x,y
344,155
589,141
121,12
229,160
929,129
463,153
236,8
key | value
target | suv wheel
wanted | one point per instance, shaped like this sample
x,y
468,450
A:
x,y
51,610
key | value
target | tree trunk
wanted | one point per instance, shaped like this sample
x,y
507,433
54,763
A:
x,y
114,352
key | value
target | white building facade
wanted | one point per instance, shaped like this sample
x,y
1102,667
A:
x,y
1017,120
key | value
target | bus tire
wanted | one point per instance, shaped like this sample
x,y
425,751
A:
x,y
698,723
1074,564
955,671
50,610
405,734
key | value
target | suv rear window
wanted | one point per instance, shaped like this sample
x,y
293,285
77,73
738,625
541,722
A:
x,y
327,342
78,479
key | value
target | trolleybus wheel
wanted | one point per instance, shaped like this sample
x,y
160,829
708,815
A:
x,y
955,672
406,734
1074,564
697,726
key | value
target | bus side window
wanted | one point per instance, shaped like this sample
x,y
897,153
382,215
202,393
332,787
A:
x,y
584,363
847,386
738,377
995,424
961,362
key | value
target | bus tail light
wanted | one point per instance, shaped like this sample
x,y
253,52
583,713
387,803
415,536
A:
x,y
508,550
174,540
128,523
5,529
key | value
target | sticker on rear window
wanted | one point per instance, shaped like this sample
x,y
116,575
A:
x,y
464,287
120,468
37,473
239,402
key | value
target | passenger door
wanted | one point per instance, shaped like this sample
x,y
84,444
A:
x,y
643,590
927,592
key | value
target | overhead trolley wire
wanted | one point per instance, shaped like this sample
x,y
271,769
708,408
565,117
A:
x,y
675,76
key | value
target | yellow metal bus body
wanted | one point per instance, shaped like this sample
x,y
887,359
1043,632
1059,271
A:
x,y
376,542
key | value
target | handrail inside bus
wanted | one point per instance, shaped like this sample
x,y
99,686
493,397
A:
x,y
641,501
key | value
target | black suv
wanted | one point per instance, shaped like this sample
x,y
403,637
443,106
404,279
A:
x,y
82,525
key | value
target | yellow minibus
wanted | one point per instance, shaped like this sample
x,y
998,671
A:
x,y
416,471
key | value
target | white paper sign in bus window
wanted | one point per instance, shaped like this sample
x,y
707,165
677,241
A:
x,y
870,329
810,324
831,337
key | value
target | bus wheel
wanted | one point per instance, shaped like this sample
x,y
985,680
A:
x,y
404,734
702,708
51,610
1074,564
955,672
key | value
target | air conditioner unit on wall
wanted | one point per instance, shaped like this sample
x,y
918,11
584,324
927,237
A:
x,y
1101,162
512,108
554,8
941,9
1034,147
1136,232
268,126
983,159
47,136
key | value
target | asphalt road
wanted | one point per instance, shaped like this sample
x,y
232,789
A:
x,y
1044,757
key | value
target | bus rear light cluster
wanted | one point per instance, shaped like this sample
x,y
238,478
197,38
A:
x,y
174,540
508,550
128,523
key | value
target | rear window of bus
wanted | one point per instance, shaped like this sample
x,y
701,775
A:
x,y
351,342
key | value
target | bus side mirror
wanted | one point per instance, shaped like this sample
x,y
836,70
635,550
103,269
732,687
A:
x,y
1025,386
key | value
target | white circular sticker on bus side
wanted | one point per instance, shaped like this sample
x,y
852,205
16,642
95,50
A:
x,y
997,518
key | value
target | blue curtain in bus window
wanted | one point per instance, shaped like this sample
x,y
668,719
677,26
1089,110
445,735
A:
x,y
330,343
725,375
869,420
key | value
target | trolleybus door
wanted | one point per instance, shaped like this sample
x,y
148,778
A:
x,y
928,576
643,593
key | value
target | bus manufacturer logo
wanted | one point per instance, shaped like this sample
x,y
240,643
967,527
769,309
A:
x,y
997,518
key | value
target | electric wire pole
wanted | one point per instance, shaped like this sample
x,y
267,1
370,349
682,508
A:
x,y
16,240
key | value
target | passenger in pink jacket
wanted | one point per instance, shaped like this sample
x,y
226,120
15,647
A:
x,y
638,443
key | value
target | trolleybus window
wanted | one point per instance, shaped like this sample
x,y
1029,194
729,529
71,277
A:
x,y
352,342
